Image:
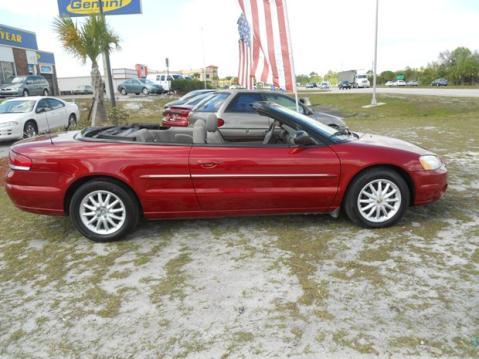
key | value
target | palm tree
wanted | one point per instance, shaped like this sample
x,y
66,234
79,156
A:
x,y
88,41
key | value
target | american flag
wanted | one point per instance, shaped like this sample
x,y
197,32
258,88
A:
x,y
270,44
244,74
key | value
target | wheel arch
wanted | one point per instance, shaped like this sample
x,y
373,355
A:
x,y
403,173
81,181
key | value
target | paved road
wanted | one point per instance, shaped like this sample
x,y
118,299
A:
x,y
450,92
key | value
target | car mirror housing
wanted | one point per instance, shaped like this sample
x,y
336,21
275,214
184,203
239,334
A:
x,y
301,138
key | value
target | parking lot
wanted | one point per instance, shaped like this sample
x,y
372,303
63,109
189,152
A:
x,y
308,285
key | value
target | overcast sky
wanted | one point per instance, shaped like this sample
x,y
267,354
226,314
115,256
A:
x,y
326,34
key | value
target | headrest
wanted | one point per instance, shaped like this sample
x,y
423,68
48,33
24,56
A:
x,y
211,122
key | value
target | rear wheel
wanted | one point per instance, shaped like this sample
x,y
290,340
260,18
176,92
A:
x,y
30,129
377,198
45,92
104,211
26,93
145,91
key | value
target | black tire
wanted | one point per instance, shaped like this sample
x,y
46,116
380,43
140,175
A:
x,y
350,203
123,92
30,129
26,93
45,92
129,201
145,91
72,121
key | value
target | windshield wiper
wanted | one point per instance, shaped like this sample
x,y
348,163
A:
x,y
344,132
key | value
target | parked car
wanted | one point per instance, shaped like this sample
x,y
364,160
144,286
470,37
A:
x,y
389,83
139,86
400,83
26,117
182,100
325,85
413,83
235,109
152,172
177,115
25,86
83,90
311,85
345,84
440,82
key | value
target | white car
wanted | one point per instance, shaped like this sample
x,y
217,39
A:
x,y
26,117
325,85
389,83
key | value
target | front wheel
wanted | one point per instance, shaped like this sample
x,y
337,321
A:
x,y
72,122
30,129
104,211
123,92
377,198
45,92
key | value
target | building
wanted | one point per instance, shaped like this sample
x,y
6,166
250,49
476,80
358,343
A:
x,y
211,74
19,56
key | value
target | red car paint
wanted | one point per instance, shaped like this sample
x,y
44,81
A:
x,y
176,116
179,181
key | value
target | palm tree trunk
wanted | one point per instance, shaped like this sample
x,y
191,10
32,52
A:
x,y
98,113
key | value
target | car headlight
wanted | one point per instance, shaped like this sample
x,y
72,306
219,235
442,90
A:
x,y
8,124
430,162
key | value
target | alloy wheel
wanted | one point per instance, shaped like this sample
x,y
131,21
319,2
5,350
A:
x,y
102,212
379,200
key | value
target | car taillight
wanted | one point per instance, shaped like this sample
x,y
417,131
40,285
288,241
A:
x,y
220,122
19,162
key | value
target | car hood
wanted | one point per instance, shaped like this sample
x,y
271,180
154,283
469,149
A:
x,y
6,86
390,142
6,117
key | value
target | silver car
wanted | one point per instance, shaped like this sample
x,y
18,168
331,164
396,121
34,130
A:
x,y
26,86
240,120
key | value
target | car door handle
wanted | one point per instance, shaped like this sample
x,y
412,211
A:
x,y
209,164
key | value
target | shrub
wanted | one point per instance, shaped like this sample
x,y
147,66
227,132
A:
x,y
182,86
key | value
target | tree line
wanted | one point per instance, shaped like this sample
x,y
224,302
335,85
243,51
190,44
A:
x,y
459,66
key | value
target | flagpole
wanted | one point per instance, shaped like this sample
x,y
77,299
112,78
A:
x,y
290,45
373,100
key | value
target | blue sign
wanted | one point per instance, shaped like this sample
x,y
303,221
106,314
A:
x,y
45,57
73,8
14,37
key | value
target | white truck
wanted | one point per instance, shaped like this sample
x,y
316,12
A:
x,y
357,78
164,80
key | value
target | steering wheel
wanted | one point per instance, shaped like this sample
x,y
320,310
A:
x,y
269,134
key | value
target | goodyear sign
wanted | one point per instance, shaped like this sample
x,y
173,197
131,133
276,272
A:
x,y
14,37
72,8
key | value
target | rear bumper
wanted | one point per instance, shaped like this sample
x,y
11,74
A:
x,y
430,186
33,198
175,123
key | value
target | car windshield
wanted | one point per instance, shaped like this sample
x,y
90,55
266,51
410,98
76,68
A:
x,y
17,106
327,131
148,82
17,80
361,76
212,103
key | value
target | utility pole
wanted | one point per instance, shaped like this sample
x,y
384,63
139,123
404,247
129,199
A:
x,y
375,65
106,54
203,51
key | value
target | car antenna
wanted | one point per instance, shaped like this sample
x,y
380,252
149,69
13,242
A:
x,y
48,127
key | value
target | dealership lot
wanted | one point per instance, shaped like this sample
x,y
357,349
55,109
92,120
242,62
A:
x,y
305,285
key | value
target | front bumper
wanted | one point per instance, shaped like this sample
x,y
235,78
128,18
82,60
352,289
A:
x,y
10,93
430,186
10,133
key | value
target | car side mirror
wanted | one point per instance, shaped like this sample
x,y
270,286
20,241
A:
x,y
301,138
305,101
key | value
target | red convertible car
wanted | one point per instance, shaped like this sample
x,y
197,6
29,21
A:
x,y
106,179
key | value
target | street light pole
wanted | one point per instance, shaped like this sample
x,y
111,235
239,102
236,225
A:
x,y
375,67
107,62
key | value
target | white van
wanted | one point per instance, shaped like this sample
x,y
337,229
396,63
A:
x,y
164,80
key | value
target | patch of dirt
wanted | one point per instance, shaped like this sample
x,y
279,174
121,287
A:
x,y
3,170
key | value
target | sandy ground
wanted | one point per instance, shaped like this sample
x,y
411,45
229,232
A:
x,y
265,287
